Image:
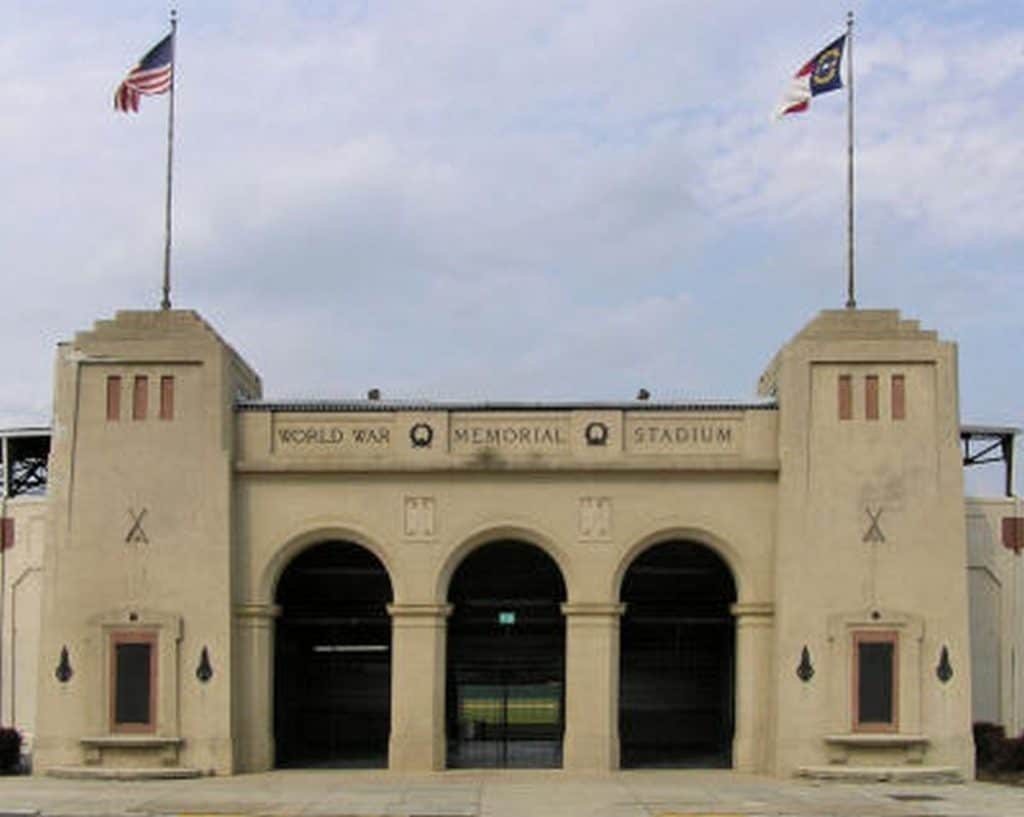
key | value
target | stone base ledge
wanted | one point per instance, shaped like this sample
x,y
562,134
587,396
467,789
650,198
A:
x,y
882,774
874,739
111,773
840,746
131,741
164,748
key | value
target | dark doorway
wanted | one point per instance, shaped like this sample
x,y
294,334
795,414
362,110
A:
x,y
506,659
676,699
332,671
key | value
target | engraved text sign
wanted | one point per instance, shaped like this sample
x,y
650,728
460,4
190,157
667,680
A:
x,y
353,438
682,435
520,435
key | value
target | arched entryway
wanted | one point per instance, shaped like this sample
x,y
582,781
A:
x,y
332,671
677,654
506,659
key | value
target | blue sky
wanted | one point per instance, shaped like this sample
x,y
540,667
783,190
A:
x,y
536,200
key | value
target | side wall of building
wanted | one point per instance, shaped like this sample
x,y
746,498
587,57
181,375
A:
x,y
21,579
996,584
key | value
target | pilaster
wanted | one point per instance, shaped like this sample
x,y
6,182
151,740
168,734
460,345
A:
x,y
591,686
418,633
754,634
253,679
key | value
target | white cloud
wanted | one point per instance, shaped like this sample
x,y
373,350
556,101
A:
x,y
522,199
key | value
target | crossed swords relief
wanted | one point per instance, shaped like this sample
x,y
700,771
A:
x,y
874,533
137,533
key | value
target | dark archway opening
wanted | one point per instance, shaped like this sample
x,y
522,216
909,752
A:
x,y
677,657
332,669
506,659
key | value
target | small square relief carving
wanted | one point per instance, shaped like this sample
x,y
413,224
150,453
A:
x,y
420,517
595,518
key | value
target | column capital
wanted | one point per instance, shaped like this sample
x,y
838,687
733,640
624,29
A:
x,y
584,609
753,611
255,610
419,611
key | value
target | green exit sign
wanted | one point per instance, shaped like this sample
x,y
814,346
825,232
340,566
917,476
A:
x,y
506,618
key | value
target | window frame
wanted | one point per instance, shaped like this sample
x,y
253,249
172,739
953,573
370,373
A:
x,y
875,637
151,638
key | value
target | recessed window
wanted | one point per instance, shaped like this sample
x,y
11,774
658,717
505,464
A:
x,y
871,397
899,397
140,397
133,682
167,397
875,682
114,397
845,397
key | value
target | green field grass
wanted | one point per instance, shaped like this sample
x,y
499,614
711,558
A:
x,y
527,705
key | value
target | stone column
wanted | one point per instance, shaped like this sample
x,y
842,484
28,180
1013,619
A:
x,y
253,685
418,634
591,686
754,679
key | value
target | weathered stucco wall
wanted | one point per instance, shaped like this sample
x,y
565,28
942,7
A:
x,y
870,539
996,583
21,572
837,522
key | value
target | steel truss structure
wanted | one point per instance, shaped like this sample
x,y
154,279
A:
x,y
24,457
983,445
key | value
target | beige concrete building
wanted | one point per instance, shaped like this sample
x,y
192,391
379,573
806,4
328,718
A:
x,y
996,593
23,519
235,584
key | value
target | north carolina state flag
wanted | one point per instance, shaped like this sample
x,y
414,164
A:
x,y
819,75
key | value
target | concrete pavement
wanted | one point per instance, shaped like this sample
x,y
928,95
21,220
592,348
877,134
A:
x,y
502,794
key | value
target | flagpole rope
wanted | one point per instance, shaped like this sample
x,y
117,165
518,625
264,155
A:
x,y
166,302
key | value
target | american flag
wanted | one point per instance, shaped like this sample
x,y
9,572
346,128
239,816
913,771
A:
x,y
153,75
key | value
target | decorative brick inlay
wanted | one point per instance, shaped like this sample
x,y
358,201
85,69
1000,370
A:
x,y
1013,533
845,397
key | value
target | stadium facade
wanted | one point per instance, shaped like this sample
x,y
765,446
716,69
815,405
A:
x,y
218,582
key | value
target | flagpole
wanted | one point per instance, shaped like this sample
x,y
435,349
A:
x,y
851,300
166,302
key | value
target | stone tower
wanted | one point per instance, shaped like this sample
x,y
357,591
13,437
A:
x,y
870,557
136,635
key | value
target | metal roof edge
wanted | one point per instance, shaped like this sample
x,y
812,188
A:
x,y
26,431
323,406
989,431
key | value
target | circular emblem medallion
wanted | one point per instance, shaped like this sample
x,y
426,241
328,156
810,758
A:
x,y
826,67
421,435
596,434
